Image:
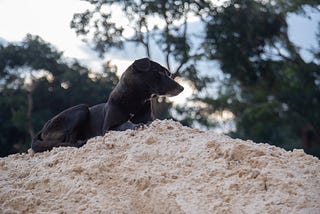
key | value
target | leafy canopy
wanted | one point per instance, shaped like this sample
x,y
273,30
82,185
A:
x,y
36,83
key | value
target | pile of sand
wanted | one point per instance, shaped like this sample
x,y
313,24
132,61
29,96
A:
x,y
165,168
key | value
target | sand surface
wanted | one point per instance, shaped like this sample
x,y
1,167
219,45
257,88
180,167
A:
x,y
165,168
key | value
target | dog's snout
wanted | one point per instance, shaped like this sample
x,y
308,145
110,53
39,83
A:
x,y
181,88
176,90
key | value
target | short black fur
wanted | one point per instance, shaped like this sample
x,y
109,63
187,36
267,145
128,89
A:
x,y
128,107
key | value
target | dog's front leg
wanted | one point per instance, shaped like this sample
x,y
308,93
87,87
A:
x,y
114,118
144,115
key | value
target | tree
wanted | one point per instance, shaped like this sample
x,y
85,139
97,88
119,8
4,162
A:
x,y
273,93
164,22
265,83
36,83
157,26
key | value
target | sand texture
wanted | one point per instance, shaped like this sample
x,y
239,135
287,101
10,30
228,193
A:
x,y
164,168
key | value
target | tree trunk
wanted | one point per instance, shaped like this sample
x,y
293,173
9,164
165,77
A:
x,y
30,108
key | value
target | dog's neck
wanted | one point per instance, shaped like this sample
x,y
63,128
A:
x,y
127,99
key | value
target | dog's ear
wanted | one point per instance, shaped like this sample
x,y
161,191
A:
x,y
142,64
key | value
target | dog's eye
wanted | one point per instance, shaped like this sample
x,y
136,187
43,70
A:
x,y
167,73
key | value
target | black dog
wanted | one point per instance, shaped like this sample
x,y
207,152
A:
x,y
128,106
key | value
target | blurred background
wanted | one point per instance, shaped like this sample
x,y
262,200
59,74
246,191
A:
x,y
251,69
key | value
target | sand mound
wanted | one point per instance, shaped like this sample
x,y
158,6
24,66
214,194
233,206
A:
x,y
165,168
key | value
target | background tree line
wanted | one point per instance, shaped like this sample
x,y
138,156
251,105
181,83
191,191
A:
x,y
271,91
37,83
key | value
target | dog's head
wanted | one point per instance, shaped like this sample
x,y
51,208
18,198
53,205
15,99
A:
x,y
152,77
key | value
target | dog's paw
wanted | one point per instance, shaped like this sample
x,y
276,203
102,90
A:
x,y
139,126
142,126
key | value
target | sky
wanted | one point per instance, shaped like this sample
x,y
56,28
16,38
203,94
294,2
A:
x,y
50,19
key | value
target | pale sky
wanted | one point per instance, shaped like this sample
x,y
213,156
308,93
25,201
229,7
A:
x,y
50,19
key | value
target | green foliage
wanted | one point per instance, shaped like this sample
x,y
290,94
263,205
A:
x,y
277,93
163,24
272,92
153,25
37,83
296,6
